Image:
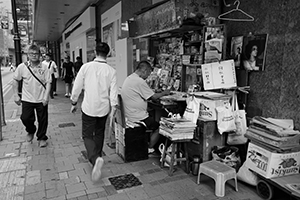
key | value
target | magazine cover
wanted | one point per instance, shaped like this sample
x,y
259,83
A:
x,y
236,50
254,52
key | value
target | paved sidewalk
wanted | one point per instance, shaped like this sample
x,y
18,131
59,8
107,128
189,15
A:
x,y
60,171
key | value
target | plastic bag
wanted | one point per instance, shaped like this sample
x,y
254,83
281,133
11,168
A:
x,y
247,176
227,155
168,158
238,137
192,109
225,119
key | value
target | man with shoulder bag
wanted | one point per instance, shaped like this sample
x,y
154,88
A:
x,y
36,85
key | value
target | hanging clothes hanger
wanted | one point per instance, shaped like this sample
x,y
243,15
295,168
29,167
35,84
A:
x,y
246,17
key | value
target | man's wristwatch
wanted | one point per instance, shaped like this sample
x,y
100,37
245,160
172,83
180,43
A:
x,y
74,103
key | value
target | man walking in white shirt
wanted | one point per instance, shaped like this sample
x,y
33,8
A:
x,y
54,73
100,98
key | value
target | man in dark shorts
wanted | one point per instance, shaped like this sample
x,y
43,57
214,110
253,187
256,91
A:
x,y
135,93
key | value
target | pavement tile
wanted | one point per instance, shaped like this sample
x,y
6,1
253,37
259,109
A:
x,y
34,188
71,180
157,198
102,194
110,190
76,172
63,175
82,198
35,196
76,194
33,177
95,190
59,198
12,192
75,187
153,191
51,193
122,196
137,194
92,196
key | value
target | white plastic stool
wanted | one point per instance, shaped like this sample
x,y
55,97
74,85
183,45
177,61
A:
x,y
220,172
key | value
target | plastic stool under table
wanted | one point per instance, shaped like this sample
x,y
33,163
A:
x,y
220,172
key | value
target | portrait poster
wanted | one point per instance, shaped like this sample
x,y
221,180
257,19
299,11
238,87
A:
x,y
236,50
254,52
111,30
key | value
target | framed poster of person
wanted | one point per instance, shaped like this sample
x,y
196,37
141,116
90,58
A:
x,y
254,52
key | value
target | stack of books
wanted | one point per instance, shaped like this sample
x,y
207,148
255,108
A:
x,y
177,129
276,133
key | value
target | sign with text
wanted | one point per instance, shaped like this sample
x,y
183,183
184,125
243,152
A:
x,y
219,75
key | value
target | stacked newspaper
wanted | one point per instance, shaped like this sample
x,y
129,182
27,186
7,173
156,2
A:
x,y
278,133
177,129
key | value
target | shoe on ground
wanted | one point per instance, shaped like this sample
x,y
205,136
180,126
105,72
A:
x,y
54,94
66,95
29,137
43,143
96,172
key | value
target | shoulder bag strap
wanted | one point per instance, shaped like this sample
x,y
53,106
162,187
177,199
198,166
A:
x,y
35,75
49,65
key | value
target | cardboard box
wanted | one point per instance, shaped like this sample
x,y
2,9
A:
x,y
209,101
272,164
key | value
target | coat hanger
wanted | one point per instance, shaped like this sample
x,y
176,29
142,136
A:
x,y
246,18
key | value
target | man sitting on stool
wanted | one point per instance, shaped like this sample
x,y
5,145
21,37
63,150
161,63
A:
x,y
135,93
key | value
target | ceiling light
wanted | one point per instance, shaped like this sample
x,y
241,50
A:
x,y
62,13
66,4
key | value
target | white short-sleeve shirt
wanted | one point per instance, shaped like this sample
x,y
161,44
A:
x,y
32,89
135,93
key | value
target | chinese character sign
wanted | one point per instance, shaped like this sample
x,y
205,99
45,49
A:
x,y
219,75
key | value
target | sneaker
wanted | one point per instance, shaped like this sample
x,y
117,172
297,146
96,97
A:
x,y
54,93
96,173
29,137
66,95
43,143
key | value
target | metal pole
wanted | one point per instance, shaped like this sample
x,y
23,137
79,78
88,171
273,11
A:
x,y
17,39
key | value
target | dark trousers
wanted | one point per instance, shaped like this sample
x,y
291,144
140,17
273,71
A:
x,y
53,85
93,135
28,119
